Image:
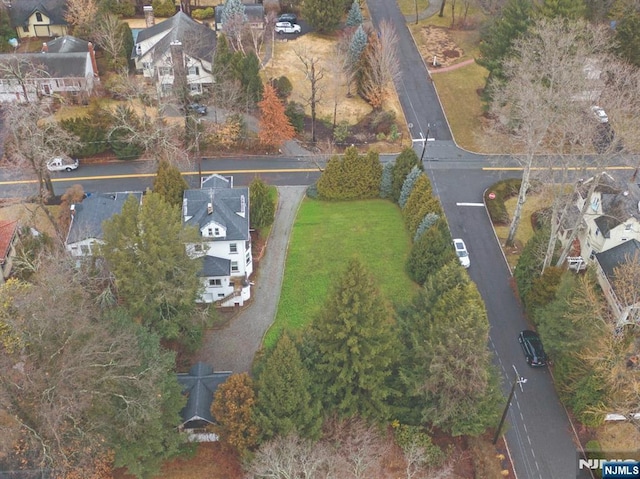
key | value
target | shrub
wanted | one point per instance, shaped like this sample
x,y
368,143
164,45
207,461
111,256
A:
x,y
164,8
421,201
503,190
295,113
283,87
529,264
91,132
382,121
202,13
432,251
543,290
402,166
353,176
341,132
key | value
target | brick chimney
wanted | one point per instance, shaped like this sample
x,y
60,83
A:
x,y
92,54
149,19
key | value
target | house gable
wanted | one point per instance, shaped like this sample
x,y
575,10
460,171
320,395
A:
x,y
38,18
255,15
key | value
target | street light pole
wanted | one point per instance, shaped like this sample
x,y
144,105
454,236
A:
x,y
516,380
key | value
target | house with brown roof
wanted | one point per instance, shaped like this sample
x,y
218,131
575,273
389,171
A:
x,y
8,240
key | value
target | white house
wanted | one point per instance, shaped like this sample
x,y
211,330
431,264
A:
x,y
66,65
37,18
612,217
254,13
177,44
220,212
85,231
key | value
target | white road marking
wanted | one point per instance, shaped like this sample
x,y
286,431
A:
x,y
469,204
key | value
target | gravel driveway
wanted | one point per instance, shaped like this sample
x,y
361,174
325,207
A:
x,y
233,347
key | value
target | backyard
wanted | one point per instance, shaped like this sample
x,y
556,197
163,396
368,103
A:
x,y
324,236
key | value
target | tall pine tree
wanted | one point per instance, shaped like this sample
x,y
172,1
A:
x,y
169,183
323,15
356,342
284,402
447,362
261,205
354,18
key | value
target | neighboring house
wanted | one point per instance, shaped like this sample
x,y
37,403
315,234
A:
x,y
66,65
221,214
199,385
612,217
8,240
37,18
606,263
255,16
178,44
85,231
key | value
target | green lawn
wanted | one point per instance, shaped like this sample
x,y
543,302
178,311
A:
x,y
324,236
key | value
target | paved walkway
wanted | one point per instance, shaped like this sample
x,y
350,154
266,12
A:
x,y
455,66
233,347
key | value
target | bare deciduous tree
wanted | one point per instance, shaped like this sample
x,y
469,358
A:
x,y
381,66
24,71
82,14
314,73
540,106
108,35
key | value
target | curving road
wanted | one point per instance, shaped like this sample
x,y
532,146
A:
x,y
539,434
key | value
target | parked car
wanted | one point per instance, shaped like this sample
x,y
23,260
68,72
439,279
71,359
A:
x,y
287,27
198,108
461,251
288,17
62,164
600,114
532,348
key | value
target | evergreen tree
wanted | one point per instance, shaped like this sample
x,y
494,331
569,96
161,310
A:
x,y
169,183
356,341
427,222
323,15
357,45
421,201
571,9
145,250
275,128
284,401
407,186
354,18
261,205
386,183
530,262
404,163
352,176
233,408
223,60
432,250
496,41
627,34
451,364
248,69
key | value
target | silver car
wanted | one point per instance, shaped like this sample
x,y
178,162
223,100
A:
x,y
287,27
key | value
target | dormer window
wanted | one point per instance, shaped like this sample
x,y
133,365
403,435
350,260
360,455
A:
x,y
138,49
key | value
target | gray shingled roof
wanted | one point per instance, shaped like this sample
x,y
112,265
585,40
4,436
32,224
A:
x,y
226,203
67,44
614,257
94,209
57,65
21,10
214,266
200,385
197,40
217,181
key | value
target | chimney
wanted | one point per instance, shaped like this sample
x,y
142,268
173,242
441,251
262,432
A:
x,y
209,208
92,54
45,47
149,19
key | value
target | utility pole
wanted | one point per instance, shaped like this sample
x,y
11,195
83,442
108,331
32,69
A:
x,y
424,142
516,380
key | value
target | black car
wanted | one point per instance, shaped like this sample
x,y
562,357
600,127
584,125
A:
x,y
532,348
288,17
198,108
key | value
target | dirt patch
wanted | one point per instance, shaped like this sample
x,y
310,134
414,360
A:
x,y
437,42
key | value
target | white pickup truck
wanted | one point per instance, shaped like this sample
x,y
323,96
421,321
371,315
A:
x,y
62,164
